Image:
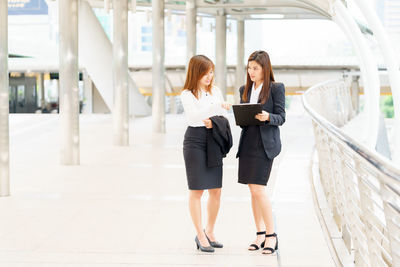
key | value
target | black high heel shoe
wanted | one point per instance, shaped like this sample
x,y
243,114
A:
x,y
214,244
276,244
204,249
255,246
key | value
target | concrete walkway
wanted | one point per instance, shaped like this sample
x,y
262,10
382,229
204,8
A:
x,y
128,206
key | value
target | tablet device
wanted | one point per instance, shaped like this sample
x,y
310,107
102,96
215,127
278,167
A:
x,y
245,114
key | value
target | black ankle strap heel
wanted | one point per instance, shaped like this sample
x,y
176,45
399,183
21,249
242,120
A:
x,y
255,246
271,250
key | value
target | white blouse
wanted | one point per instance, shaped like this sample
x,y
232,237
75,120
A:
x,y
208,105
255,94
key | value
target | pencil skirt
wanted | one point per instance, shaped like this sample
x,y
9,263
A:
x,y
254,165
199,176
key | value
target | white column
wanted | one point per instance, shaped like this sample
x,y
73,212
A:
x,y
369,73
69,76
158,67
220,51
191,16
4,129
88,93
42,94
355,93
120,73
392,64
240,66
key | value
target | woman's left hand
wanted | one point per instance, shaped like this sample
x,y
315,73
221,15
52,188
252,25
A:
x,y
263,116
208,123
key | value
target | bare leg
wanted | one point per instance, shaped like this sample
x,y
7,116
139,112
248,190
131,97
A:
x,y
258,220
262,200
195,213
212,209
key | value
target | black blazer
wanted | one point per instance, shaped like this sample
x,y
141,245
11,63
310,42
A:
x,y
219,141
270,134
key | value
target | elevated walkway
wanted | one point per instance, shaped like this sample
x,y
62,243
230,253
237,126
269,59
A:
x,y
128,206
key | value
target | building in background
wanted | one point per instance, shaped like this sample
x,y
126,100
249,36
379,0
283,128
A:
x,y
391,15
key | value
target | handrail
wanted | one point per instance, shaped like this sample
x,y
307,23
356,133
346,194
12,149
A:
x,y
362,187
376,159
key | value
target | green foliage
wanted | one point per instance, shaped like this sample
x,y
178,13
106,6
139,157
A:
x,y
288,101
387,106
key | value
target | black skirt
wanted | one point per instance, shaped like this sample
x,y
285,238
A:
x,y
254,165
199,176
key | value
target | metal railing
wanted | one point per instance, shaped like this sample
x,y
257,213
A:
x,y
362,188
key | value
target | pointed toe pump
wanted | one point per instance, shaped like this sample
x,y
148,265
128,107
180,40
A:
x,y
204,249
214,244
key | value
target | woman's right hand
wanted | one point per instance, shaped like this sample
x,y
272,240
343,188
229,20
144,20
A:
x,y
226,105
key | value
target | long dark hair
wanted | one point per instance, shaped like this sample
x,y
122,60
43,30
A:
x,y
262,58
198,67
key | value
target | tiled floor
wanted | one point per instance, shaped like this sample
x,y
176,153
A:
x,y
128,206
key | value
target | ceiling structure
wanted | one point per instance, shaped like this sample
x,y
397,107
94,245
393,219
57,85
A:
x,y
246,9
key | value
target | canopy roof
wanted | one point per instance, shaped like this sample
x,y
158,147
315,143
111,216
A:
x,y
284,9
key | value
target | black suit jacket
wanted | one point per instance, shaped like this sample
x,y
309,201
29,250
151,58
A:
x,y
219,141
270,134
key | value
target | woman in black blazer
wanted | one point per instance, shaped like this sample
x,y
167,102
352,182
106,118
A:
x,y
259,145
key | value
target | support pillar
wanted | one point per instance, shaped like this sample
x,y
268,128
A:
x,y
120,73
369,73
158,67
355,93
42,94
4,108
69,77
220,51
393,67
191,15
88,93
240,66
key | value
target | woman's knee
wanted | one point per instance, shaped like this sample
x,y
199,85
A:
x,y
196,193
215,193
257,191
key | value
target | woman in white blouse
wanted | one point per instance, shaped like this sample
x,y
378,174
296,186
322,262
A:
x,y
201,100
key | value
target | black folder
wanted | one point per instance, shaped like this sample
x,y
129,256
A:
x,y
245,114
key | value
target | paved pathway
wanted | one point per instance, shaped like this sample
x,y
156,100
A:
x,y
128,206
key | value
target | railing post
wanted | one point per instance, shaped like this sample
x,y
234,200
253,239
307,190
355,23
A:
x,y
391,217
